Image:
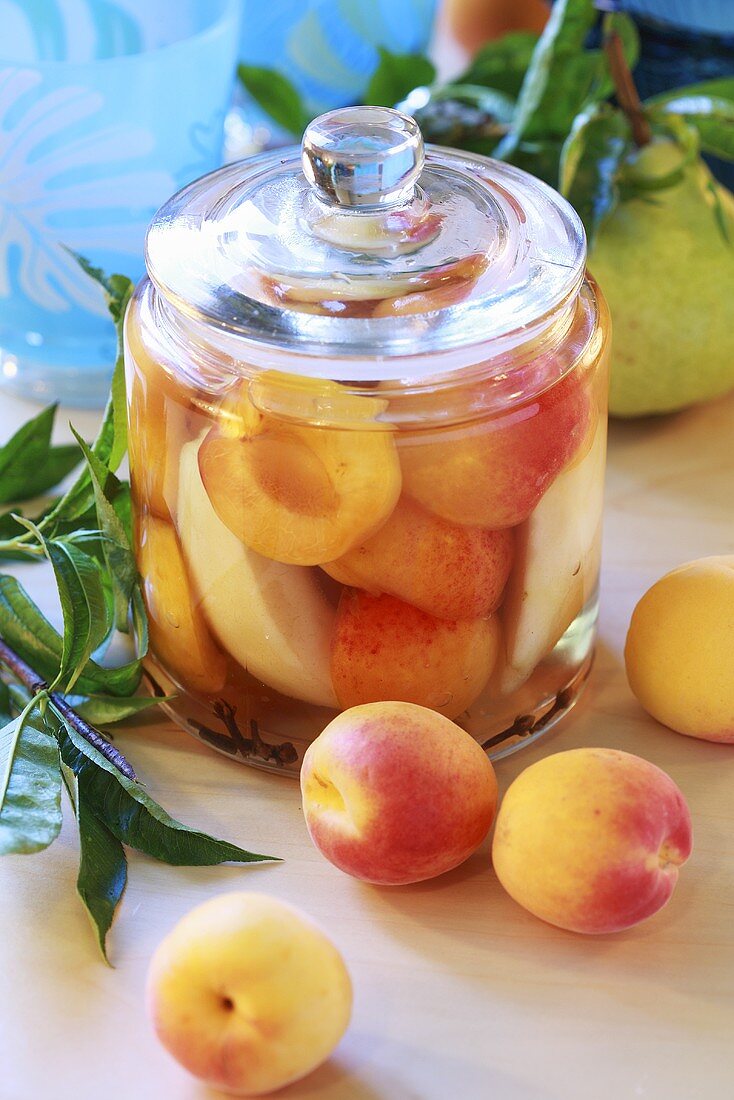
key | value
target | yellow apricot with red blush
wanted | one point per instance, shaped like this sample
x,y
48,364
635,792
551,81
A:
x,y
591,839
395,793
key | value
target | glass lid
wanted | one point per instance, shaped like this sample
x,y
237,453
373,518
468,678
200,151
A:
x,y
362,242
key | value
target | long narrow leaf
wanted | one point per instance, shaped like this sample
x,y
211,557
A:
x,y
102,710
277,96
135,818
27,446
30,785
27,630
140,623
395,76
590,164
721,87
84,607
33,637
502,63
111,441
6,707
102,870
712,116
559,79
29,464
116,547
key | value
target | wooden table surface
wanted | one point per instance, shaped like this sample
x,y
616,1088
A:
x,y
459,994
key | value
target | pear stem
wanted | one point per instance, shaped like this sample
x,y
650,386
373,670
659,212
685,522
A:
x,y
625,89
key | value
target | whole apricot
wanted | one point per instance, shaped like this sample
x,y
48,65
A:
x,y
395,793
591,839
680,649
247,994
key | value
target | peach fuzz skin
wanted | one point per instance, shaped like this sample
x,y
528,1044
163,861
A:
x,y
394,793
248,994
591,839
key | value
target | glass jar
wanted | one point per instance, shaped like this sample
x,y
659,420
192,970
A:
x,y
367,398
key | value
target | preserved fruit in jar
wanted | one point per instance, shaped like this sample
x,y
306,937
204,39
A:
x,y
367,403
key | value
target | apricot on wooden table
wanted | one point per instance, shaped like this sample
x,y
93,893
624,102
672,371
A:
x,y
591,839
680,649
248,994
395,793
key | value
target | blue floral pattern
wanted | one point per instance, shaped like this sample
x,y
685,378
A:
x,y
66,180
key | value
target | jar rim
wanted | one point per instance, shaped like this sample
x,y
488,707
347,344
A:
x,y
508,377
212,248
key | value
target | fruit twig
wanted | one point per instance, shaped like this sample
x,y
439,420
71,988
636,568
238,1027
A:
x,y
527,725
625,89
236,744
38,686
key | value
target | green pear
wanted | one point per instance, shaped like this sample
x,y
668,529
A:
x,y
667,271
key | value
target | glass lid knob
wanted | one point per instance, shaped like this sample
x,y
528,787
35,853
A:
x,y
363,157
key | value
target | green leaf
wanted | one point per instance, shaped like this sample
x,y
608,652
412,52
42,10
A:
x,y
277,96
590,164
118,555
84,607
30,784
6,708
559,79
490,101
395,76
103,710
123,680
10,531
59,461
140,623
29,465
102,870
502,64
720,88
111,442
713,118
119,495
26,629
31,635
135,818
13,525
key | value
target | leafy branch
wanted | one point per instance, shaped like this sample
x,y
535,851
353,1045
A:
x,y
562,106
394,76
38,690
55,687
